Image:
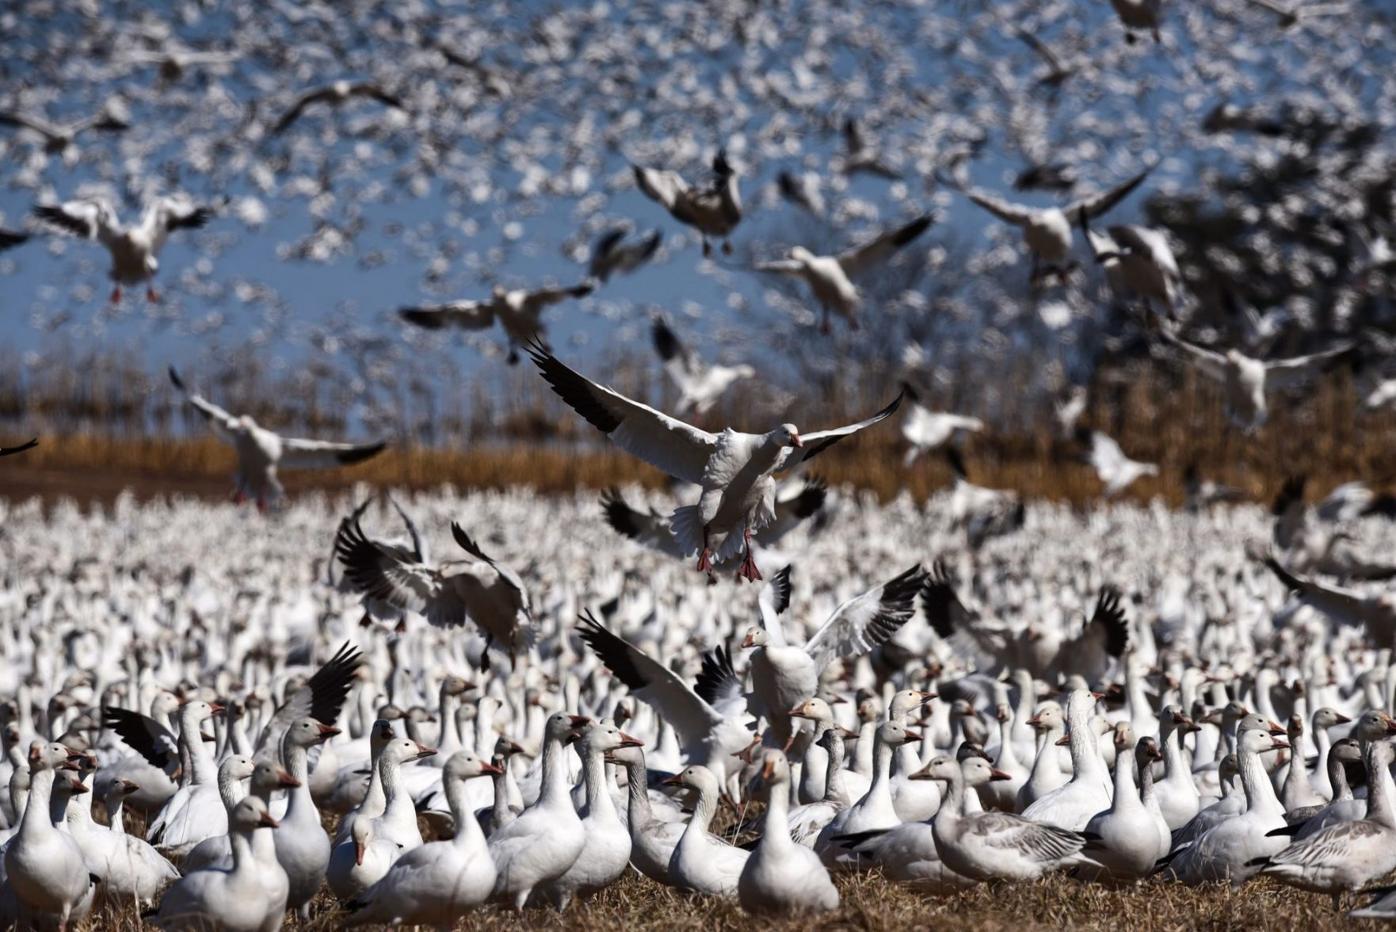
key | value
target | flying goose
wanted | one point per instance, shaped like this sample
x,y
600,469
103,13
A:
x,y
134,249
734,469
336,94
612,254
10,451
802,191
260,452
1294,14
1116,470
926,430
700,385
829,277
860,156
1377,613
713,211
488,593
1138,261
1244,377
1047,230
981,512
59,136
1057,70
519,312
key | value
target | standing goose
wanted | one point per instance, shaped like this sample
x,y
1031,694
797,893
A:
x,y
435,883
652,840
1177,794
43,865
519,312
1125,839
782,877
713,211
702,862
260,452
135,249
302,846
876,809
734,469
1088,792
830,277
390,834
221,899
195,811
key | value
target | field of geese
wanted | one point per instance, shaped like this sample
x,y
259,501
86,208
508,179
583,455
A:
x,y
641,464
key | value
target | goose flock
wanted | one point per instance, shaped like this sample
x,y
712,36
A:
x,y
750,684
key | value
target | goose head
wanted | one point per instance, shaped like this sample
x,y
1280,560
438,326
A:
x,y
1326,718
895,734
564,727
977,771
266,777
786,435
774,773
1374,725
308,732
906,701
814,709
464,766
1147,751
605,736
756,636
237,767
942,767
696,777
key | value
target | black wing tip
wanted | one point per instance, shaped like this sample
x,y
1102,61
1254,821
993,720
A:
x,y
29,445
780,584
666,342
419,317
176,380
1291,491
811,498
716,671
1286,578
957,462
618,513
913,229
359,454
467,543
1111,614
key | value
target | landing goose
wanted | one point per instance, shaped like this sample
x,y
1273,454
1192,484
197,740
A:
x,y
227,900
926,430
613,255
1117,471
735,470
830,277
134,249
43,865
981,512
782,877
335,94
699,384
480,588
435,883
1138,261
1047,231
260,452
519,312
702,862
1376,613
713,211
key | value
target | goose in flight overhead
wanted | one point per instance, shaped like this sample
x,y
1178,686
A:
x,y
1294,14
861,156
1057,70
336,94
1047,230
612,254
713,211
700,385
1116,470
1137,261
1244,377
134,249
10,451
519,312
926,430
829,277
487,592
59,136
260,452
734,469
1377,613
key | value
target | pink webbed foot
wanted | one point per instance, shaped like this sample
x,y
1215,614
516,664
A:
x,y
705,560
152,295
749,570
116,295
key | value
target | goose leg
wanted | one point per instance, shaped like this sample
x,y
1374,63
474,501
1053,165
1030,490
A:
x,y
749,570
116,295
152,295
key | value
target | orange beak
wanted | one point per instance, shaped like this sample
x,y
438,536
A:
x,y
424,751
796,442
327,731
491,769
359,853
997,774
626,741
1063,741
285,779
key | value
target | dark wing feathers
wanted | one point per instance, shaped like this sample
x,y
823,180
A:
x,y
8,451
144,735
897,605
811,498
942,604
620,516
718,679
573,389
666,342
613,650
467,544
1289,580
818,446
56,216
1292,491
780,586
360,453
912,230
1110,616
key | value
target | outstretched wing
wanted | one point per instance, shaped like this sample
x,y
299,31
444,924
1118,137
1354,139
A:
x,y
1295,363
169,214
1005,210
1209,361
1108,622
678,448
381,573
80,218
544,297
645,527
863,258
11,451
1096,204
660,185
1341,604
305,100
718,683
223,423
867,620
321,697
821,440
144,735
298,453
467,315
944,610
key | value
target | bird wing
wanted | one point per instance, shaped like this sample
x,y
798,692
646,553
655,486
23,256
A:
x,y
867,620
419,550
10,451
819,441
660,185
863,258
1004,210
305,100
223,423
652,682
1209,361
81,218
41,126
719,685
944,610
677,448
643,526
1108,626
781,267
299,453
1096,204
1273,7
544,297
1341,604
467,315
1106,455
11,238
679,361
1032,840
172,213
1042,49
1294,363
790,512
381,573
321,697
375,92
775,599
144,735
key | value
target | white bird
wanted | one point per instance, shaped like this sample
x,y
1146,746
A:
x,y
1294,14
860,156
1115,470
1138,261
714,211
701,862
802,191
260,452
1047,231
336,94
1126,839
1089,791
734,469
830,277
44,866
699,384
519,312
1377,613
480,588
926,430
135,249
982,513
782,877
58,137
222,899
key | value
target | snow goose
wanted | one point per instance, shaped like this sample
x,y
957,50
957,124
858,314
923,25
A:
x,y
714,211
830,277
983,513
266,778
1177,794
1229,851
1141,15
156,757
134,249
11,451
1377,613
1372,725
393,832
802,190
1115,470
433,884
1137,261
784,675
807,820
303,847
989,846
228,900
260,452
1348,856
1244,378
652,840
1072,805
43,865
700,385
612,254
1125,839
480,588
875,809
861,156
782,877
1296,13
374,799
1046,775
519,312
702,862
926,430
1001,793
1323,719
543,842
336,94
1057,70
58,137
734,469
195,811
710,732
1296,792
607,848
1047,231
127,868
